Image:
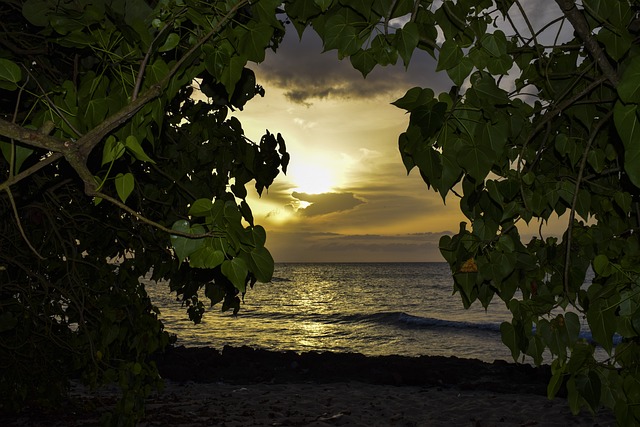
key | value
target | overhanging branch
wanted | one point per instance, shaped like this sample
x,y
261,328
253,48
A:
x,y
579,22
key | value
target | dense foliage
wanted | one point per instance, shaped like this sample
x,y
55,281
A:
x,y
540,123
106,153
115,135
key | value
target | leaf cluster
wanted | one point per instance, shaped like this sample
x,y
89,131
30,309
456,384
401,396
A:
x,y
538,127
119,159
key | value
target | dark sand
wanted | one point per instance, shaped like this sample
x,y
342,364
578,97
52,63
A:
x,y
246,387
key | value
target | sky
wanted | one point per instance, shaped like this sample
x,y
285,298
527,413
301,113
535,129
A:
x,y
346,196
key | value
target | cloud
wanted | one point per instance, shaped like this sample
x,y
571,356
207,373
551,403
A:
x,y
326,203
305,74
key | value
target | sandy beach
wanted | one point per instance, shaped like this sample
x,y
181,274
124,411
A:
x,y
246,387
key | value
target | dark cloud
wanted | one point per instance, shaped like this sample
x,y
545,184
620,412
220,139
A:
x,y
326,203
305,74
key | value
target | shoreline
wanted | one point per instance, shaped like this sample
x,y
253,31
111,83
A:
x,y
242,386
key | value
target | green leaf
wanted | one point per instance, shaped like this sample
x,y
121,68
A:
x,y
589,387
628,88
383,51
133,146
112,150
184,246
124,185
628,127
323,4
615,45
429,118
206,257
262,264
363,61
495,43
236,271
602,265
450,55
255,41
201,208
572,326
406,40
500,65
216,60
602,321
171,42
415,97
96,110
10,71
466,283
624,200
554,384
489,91
510,339
596,159
476,160
156,71
341,35
300,12
232,73
259,236
20,154
37,12
460,71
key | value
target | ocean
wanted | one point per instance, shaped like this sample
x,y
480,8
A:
x,y
370,308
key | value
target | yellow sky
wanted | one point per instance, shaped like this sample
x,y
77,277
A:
x,y
347,196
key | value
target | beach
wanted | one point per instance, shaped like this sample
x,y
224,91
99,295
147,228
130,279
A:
x,y
250,387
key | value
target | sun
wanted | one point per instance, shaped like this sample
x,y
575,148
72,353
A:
x,y
312,178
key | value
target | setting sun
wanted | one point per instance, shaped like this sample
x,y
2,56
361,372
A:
x,y
311,178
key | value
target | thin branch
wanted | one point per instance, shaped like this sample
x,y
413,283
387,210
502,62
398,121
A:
x,y
561,107
92,138
54,106
574,202
28,172
580,24
414,12
152,223
17,216
145,61
388,17
529,26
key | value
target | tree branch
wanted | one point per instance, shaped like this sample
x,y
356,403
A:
x,y
580,25
28,172
153,223
33,138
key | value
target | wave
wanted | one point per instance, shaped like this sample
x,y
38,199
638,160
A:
x,y
280,279
401,319
429,322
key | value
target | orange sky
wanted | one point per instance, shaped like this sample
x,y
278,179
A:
x,y
347,196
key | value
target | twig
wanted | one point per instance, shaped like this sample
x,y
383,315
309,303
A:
x,y
581,26
17,216
54,106
530,27
153,223
28,172
574,202
145,61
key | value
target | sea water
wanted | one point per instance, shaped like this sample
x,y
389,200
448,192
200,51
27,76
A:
x,y
370,308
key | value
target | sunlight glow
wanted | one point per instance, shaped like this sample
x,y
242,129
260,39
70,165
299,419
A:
x,y
312,178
